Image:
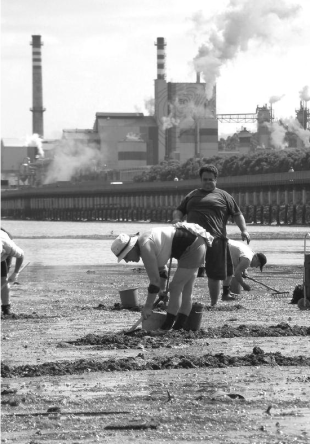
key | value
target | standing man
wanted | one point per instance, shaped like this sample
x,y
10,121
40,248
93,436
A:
x,y
8,250
210,207
242,258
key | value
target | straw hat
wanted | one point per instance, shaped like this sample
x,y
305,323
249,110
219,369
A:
x,y
122,245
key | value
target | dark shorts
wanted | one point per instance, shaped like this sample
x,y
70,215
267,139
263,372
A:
x,y
4,269
218,260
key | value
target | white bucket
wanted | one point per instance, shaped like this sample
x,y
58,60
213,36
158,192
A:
x,y
154,322
129,297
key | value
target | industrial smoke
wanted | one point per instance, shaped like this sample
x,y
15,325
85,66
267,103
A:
x,y
229,33
71,159
35,141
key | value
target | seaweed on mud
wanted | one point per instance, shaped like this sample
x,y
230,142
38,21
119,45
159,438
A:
x,y
181,337
21,316
235,307
117,306
219,360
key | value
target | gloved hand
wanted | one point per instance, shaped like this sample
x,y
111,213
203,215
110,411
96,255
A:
x,y
146,312
246,287
14,277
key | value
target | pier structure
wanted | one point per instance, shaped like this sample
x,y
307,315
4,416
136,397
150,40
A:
x,y
282,198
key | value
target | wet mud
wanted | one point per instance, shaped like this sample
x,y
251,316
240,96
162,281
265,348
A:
x,y
71,374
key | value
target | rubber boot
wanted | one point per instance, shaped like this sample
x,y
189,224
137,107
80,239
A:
x,y
167,325
180,321
201,272
6,309
226,297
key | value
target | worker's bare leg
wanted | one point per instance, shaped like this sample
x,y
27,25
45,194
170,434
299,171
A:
x,y
186,304
183,279
214,290
5,291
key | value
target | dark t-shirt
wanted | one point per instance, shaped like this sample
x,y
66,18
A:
x,y
209,209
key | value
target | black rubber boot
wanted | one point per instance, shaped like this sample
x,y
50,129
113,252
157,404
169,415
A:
x,y
226,290
180,321
201,272
228,298
6,310
167,325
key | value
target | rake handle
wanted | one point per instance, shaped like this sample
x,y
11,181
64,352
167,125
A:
x,y
264,285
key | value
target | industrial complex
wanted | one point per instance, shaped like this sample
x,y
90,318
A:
x,y
183,125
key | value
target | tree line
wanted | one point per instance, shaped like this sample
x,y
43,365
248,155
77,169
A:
x,y
236,165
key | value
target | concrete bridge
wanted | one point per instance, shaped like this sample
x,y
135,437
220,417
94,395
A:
x,y
282,198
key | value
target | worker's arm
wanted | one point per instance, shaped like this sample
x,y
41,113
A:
x,y
18,263
14,251
149,259
243,264
163,278
177,216
240,222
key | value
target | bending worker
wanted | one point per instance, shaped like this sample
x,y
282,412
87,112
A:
x,y
210,207
8,250
243,258
187,243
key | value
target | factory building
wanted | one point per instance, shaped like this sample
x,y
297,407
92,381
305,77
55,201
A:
x,y
132,141
184,125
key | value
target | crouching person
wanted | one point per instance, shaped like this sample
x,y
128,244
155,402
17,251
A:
x,y
8,250
155,248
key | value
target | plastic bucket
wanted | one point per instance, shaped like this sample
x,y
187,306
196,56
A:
x,y
195,317
154,322
235,287
129,297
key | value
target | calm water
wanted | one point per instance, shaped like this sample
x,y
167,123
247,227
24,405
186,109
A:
x,y
78,243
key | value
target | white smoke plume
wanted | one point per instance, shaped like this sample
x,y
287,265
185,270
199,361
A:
x,y
277,135
274,99
304,94
71,159
295,127
149,105
35,141
229,33
185,115
169,122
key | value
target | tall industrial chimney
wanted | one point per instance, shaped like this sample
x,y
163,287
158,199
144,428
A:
x,y
37,94
161,68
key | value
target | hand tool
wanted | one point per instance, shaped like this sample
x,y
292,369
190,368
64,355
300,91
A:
x,y
267,286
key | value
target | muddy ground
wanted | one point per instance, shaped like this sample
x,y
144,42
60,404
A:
x,y
71,375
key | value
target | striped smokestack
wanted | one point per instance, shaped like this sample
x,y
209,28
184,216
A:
x,y
161,56
37,94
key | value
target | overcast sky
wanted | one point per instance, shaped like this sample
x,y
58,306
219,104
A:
x,y
99,56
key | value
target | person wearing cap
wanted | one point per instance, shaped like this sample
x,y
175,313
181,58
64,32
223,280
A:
x,y
243,257
8,250
155,247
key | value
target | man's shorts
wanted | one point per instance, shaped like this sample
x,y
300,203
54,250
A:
x,y
218,260
194,255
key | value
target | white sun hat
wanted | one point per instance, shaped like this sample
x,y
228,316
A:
x,y
122,245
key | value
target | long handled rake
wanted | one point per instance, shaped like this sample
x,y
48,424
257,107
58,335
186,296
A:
x,y
267,286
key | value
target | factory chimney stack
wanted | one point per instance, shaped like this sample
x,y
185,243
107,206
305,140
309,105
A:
x,y
37,94
161,56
